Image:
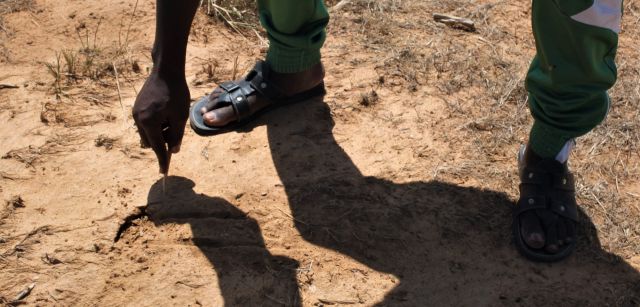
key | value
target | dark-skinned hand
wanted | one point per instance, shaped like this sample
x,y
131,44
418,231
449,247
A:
x,y
160,112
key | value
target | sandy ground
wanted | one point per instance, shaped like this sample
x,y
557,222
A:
x,y
395,189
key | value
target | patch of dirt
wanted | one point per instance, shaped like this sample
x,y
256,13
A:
x,y
105,141
394,190
16,202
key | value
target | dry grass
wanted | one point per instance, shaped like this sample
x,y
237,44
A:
x,y
90,61
56,144
80,75
12,6
211,71
239,15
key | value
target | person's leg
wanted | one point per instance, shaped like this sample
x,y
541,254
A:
x,y
576,42
296,32
574,67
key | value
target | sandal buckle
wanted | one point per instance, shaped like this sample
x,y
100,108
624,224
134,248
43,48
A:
x,y
229,86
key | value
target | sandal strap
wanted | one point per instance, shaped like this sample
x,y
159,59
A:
x,y
529,203
236,95
258,77
528,176
558,196
257,80
564,182
567,209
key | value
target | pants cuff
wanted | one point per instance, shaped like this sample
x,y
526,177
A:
x,y
546,141
286,60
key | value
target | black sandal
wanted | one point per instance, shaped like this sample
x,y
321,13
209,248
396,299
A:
x,y
548,185
236,94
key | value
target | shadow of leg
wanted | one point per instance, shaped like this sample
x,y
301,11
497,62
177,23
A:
x,y
446,244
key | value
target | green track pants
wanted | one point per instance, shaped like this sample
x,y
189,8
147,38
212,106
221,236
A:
x,y
576,42
296,30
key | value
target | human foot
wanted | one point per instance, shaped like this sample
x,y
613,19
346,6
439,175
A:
x,y
546,214
235,103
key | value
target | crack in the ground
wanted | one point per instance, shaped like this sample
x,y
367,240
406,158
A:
x,y
142,212
128,222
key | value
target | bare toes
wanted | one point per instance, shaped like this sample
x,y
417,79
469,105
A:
x,y
553,244
531,230
219,117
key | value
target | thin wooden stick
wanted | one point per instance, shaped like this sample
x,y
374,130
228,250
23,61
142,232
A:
x,y
24,293
235,68
339,5
124,115
8,85
126,39
455,22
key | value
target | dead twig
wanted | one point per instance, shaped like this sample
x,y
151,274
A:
x,y
455,22
8,176
334,301
115,72
126,39
190,285
46,229
339,5
24,293
226,16
293,218
50,259
235,68
7,85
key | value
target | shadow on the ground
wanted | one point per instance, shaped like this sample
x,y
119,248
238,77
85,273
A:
x,y
248,274
447,245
